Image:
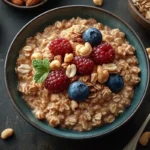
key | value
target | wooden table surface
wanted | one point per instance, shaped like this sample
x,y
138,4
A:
x,y
29,138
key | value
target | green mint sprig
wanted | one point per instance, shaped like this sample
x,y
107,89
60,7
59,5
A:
x,y
42,69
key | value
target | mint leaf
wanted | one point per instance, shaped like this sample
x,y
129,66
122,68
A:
x,y
46,63
36,63
42,69
40,77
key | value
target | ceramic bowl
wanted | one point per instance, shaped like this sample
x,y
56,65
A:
x,y
137,16
25,7
49,17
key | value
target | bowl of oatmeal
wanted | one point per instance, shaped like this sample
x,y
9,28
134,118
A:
x,y
79,75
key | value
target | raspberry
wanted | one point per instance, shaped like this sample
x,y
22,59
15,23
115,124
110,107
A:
x,y
60,46
57,81
103,54
84,65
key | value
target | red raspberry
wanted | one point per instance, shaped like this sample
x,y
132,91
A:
x,y
60,46
103,54
57,81
84,65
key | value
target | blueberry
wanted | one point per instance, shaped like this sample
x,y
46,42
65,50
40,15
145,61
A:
x,y
115,82
78,91
93,36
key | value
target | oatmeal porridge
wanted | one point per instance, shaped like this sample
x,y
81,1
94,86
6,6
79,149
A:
x,y
78,74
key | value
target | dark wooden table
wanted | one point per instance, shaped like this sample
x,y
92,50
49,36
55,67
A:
x,y
29,138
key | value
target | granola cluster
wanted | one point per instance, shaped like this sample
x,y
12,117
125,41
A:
x,y
102,105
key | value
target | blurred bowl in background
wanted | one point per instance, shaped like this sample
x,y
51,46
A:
x,y
23,6
138,16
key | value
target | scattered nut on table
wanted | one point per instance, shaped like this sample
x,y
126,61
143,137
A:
x,y
98,2
7,133
148,51
144,138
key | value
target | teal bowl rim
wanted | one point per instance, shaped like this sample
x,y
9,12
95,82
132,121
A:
x,y
89,136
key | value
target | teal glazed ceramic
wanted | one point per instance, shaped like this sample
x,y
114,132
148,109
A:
x,y
49,17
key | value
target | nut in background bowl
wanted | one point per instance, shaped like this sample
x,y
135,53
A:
x,y
138,16
25,7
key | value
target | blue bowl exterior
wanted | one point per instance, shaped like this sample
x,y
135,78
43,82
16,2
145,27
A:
x,y
49,17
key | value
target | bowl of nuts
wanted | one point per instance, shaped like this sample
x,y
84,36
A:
x,y
25,4
140,10
77,75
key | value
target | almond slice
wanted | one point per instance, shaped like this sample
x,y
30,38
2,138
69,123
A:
x,y
32,2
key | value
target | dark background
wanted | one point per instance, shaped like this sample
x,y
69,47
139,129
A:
x,y
29,138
